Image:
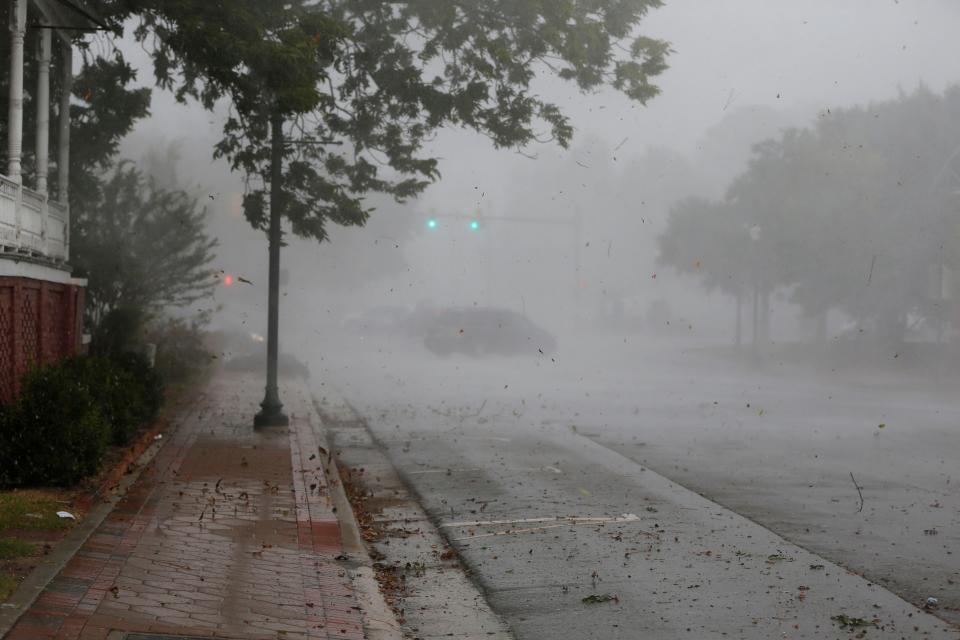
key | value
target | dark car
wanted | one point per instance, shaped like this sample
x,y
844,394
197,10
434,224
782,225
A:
x,y
486,331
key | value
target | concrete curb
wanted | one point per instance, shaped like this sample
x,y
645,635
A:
x,y
378,618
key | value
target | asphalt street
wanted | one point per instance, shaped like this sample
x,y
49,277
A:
x,y
608,436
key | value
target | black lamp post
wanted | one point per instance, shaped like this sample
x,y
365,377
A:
x,y
271,412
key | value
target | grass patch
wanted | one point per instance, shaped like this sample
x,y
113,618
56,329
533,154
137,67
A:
x,y
12,548
7,586
30,510
28,521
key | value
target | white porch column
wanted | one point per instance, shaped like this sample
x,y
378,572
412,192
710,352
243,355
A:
x,y
43,111
63,159
18,28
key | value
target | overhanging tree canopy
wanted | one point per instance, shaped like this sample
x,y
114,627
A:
x,y
364,84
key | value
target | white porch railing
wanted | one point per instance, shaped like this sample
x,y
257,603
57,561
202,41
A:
x,y
31,224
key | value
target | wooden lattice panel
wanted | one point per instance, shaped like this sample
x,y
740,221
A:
x,y
30,326
7,364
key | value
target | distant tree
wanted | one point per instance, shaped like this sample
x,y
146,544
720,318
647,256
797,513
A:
x,y
142,248
708,240
713,242
854,213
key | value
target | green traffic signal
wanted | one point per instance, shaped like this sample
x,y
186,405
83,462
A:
x,y
432,223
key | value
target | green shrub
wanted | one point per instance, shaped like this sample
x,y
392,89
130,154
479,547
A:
x,y
124,386
114,391
146,389
55,433
182,354
118,331
66,414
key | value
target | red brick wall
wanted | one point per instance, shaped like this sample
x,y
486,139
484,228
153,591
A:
x,y
40,322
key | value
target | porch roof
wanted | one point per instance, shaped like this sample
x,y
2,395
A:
x,y
68,15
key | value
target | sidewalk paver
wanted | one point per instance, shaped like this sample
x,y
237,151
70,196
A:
x,y
229,533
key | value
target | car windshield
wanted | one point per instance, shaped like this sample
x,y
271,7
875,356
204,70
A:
x,y
479,319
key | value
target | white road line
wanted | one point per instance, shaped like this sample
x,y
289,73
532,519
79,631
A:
x,y
625,517
567,522
473,469
509,532
460,470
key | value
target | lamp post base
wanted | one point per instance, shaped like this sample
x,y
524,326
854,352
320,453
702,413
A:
x,y
271,415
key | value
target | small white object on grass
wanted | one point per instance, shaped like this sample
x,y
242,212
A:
x,y
66,514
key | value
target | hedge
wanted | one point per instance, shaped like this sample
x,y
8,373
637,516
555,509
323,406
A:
x,y
67,413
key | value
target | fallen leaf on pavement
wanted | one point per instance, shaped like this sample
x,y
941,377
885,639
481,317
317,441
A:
x,y
846,621
597,599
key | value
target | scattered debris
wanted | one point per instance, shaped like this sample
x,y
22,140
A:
x,y
779,556
859,492
846,621
66,515
597,599
931,603
450,554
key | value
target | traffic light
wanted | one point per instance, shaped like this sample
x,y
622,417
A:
x,y
473,224
228,280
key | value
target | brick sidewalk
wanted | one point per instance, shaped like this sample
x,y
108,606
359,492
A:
x,y
228,533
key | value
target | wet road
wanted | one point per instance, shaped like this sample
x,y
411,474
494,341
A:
x,y
523,441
